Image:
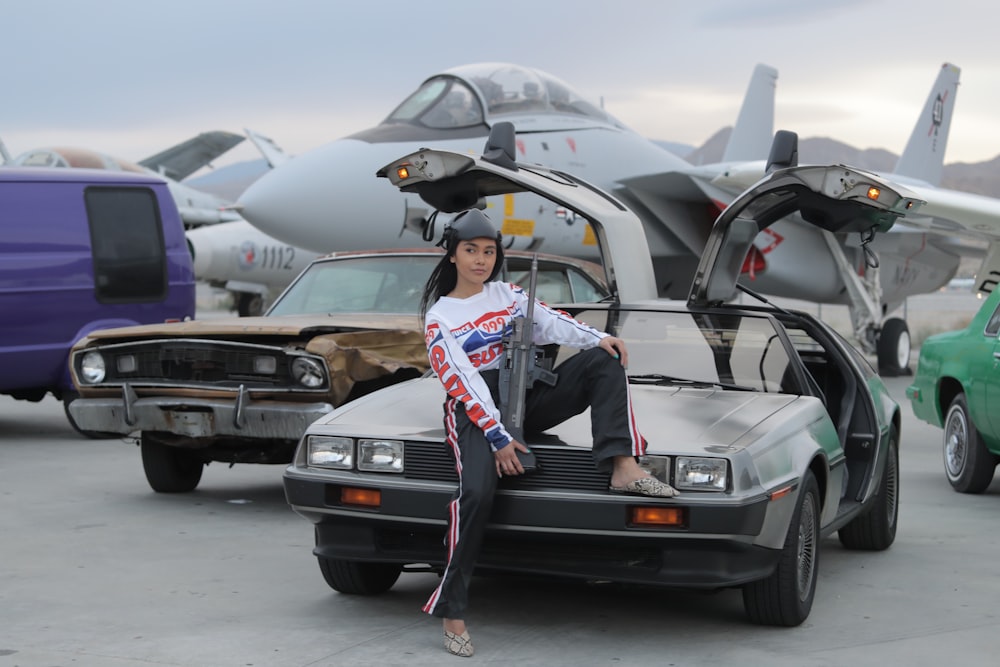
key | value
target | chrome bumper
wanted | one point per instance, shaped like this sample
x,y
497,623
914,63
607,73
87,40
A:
x,y
195,417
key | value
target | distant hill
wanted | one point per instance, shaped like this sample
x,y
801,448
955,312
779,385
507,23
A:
x,y
980,178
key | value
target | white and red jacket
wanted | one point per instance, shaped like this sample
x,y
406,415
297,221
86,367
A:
x,y
465,336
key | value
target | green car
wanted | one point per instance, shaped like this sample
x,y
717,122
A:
x,y
957,387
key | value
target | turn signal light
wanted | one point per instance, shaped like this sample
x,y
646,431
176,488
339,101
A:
x,y
402,173
657,517
873,193
363,497
781,493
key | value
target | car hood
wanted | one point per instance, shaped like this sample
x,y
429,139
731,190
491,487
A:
x,y
239,328
697,420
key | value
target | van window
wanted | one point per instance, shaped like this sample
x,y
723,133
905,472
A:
x,y
127,242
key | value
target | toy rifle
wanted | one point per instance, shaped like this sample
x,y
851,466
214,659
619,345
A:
x,y
520,368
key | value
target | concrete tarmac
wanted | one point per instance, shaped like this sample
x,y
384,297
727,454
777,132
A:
x,y
96,570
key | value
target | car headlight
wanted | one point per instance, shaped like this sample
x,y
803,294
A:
x,y
308,372
329,452
380,455
708,474
92,368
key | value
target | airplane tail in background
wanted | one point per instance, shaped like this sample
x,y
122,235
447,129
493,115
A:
x,y
270,150
180,161
754,129
923,157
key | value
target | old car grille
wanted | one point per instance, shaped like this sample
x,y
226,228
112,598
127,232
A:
x,y
559,467
216,364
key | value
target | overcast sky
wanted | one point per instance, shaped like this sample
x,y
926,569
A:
x,y
131,77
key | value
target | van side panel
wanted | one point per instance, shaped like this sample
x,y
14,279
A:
x,y
48,298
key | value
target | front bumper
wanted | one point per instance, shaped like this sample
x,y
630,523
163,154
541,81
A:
x,y
198,418
581,534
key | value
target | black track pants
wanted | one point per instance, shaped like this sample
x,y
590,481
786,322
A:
x,y
591,378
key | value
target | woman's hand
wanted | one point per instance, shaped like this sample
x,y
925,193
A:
x,y
616,348
506,458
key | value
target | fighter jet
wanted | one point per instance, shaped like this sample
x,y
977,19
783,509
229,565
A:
x,y
326,199
172,165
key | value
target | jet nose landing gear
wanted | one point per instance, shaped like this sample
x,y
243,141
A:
x,y
893,348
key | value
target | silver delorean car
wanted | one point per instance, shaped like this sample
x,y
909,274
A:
x,y
775,430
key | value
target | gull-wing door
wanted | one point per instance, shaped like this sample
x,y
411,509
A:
x,y
451,182
834,198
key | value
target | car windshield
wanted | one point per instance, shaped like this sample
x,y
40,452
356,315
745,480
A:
x,y
393,283
703,349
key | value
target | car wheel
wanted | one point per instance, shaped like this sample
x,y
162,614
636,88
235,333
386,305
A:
x,y
785,598
170,469
894,348
359,578
968,464
875,530
69,397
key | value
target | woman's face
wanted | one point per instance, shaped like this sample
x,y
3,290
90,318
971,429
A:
x,y
474,261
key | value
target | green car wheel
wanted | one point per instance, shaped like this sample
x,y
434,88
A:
x,y
968,464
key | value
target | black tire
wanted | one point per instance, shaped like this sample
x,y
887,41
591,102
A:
x,y
968,465
894,347
249,304
359,578
785,598
875,530
170,469
69,397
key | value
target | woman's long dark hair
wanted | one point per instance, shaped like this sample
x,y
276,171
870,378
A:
x,y
444,277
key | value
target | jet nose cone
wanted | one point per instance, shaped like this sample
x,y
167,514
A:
x,y
317,200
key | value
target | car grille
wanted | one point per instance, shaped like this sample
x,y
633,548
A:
x,y
558,467
215,364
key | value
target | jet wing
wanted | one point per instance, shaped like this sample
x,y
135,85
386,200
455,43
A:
x,y
182,160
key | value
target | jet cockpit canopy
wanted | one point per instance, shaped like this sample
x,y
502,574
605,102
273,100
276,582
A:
x,y
484,93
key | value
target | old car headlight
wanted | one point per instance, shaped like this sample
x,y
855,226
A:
x,y
701,473
329,452
92,368
380,455
308,372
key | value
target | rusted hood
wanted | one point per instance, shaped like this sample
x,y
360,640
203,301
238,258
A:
x,y
239,328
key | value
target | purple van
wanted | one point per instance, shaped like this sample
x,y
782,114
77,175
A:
x,y
81,250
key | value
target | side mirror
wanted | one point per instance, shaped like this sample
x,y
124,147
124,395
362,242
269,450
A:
x,y
500,146
784,151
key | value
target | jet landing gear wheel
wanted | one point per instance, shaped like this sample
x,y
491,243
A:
x,y
249,304
894,348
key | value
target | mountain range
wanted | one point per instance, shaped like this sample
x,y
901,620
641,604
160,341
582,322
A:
x,y
982,178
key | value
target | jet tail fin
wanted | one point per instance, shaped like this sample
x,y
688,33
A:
x,y
752,134
271,151
5,156
923,157
180,161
